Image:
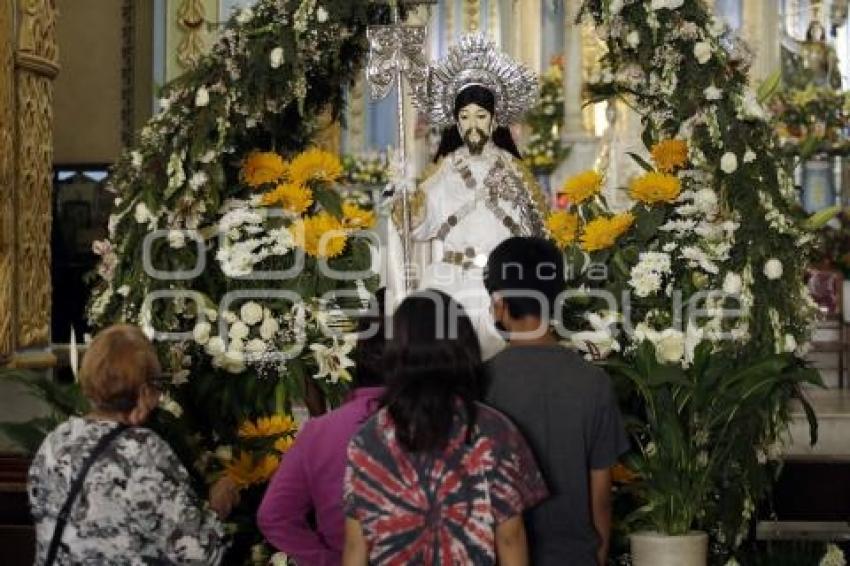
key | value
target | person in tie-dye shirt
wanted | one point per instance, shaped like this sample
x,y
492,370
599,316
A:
x,y
436,477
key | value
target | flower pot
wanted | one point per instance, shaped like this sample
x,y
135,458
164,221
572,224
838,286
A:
x,y
656,549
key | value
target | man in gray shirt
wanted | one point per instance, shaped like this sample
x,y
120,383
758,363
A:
x,y
565,407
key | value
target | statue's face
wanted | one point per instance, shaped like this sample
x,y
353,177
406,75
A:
x,y
475,125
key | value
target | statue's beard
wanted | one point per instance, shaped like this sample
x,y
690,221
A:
x,y
476,145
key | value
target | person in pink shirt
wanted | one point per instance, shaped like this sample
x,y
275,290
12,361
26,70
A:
x,y
301,513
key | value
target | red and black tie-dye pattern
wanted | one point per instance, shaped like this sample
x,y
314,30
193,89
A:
x,y
439,508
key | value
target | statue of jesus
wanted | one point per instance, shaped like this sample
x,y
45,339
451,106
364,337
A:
x,y
480,193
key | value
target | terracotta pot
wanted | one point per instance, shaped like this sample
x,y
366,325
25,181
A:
x,y
656,549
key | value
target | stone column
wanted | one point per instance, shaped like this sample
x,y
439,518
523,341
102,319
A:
x,y
573,66
26,264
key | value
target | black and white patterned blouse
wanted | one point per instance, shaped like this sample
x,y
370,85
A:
x,y
136,506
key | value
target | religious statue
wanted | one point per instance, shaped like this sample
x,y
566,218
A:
x,y
480,193
812,62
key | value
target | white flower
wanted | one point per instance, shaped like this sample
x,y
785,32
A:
x,y
236,345
670,346
233,362
239,330
615,6
729,163
717,26
693,336
713,93
201,332
202,97
749,156
142,213
633,39
790,343
198,180
333,360
595,344
666,4
245,15
773,269
256,346
833,556
750,105
123,290
211,314
224,452
279,559
276,57
176,239
647,274
251,313
164,104
732,283
208,157
706,201
136,159
269,328
321,15
702,51
229,317
215,346
166,403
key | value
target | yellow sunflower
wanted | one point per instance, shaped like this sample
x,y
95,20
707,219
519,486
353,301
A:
x,y
563,225
292,197
315,165
322,235
284,443
262,167
244,471
653,188
267,426
357,218
669,154
601,233
582,186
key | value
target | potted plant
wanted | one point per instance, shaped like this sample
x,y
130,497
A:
x,y
694,423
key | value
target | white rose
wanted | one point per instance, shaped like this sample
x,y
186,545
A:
x,y
790,343
773,269
670,346
256,346
251,313
269,328
215,346
321,15
233,362
749,156
713,93
176,239
633,39
732,283
201,332
239,330
202,97
702,51
729,163
123,290
276,57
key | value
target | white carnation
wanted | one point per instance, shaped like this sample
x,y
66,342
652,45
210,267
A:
x,y
251,313
215,346
142,213
256,346
615,6
732,283
201,332
233,362
321,15
749,156
729,163
202,97
633,39
773,269
713,93
269,328
176,239
198,180
229,317
706,201
239,330
702,51
276,57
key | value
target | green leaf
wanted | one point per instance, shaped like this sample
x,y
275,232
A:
x,y
809,147
641,161
819,219
768,86
329,199
30,434
648,221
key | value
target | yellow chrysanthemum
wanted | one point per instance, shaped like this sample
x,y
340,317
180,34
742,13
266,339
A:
x,y
284,443
357,218
267,426
263,167
563,225
669,155
315,165
653,188
321,235
601,233
244,471
292,197
581,187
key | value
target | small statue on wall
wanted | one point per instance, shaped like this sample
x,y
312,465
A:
x,y
812,62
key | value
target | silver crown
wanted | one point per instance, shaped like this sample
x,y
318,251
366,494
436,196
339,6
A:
x,y
474,60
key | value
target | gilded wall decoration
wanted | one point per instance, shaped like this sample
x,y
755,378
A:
x,y
191,17
7,180
472,10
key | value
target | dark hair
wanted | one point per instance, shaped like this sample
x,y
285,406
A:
x,y
369,354
525,264
475,94
432,364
